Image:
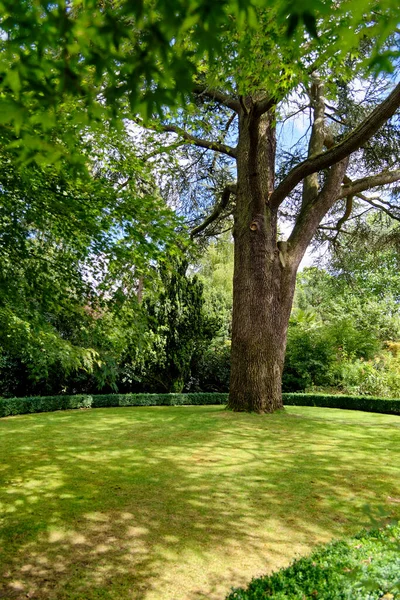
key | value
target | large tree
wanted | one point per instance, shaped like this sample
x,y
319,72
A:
x,y
237,108
141,58
71,250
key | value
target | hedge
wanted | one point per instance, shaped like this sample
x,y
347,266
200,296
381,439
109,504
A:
x,y
35,404
366,403
366,567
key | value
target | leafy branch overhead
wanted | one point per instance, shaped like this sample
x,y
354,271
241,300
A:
x,y
141,57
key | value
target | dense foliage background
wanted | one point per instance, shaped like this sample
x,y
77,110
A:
x,y
170,332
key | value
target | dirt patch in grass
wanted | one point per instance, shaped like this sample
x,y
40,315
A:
x,y
182,503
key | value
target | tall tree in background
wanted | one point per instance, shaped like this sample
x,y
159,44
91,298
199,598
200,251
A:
x,y
179,327
70,252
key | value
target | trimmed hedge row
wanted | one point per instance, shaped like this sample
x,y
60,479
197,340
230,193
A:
x,y
366,567
35,404
365,403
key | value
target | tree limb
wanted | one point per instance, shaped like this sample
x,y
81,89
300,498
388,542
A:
x,y
218,96
317,138
350,144
226,194
327,228
291,115
366,183
196,141
312,214
243,105
329,116
347,213
381,207
264,105
146,157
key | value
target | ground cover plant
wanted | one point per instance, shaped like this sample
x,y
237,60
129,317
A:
x,y
366,566
154,503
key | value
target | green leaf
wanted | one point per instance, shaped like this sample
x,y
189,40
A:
x,y
14,81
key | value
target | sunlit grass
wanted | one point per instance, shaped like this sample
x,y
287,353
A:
x,y
181,503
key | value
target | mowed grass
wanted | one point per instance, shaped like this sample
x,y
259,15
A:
x,y
182,503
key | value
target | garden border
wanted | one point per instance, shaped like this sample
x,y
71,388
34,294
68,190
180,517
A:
x,y
36,404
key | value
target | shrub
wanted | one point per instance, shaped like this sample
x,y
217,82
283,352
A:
x,y
318,352
378,377
211,371
309,356
35,404
365,403
366,566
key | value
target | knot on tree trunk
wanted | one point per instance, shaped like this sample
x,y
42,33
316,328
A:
x,y
257,222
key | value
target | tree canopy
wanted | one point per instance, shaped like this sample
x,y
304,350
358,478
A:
x,y
71,250
121,58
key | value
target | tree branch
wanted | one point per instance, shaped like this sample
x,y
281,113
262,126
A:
x,y
312,214
381,207
329,116
146,157
264,105
350,144
226,194
196,141
317,138
354,188
213,94
347,213
243,105
326,228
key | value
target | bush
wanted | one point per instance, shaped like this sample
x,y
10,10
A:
x,y
310,354
35,404
378,377
366,566
365,403
158,399
211,370
319,352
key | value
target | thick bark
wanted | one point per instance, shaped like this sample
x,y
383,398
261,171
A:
x,y
265,271
263,284
261,308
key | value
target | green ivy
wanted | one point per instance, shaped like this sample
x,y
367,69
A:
x,y
365,567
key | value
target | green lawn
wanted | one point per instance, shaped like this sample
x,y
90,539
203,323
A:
x,y
181,503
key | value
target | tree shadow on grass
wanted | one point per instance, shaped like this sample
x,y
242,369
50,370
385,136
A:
x,y
179,503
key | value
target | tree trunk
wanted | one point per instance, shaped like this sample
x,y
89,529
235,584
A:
x,y
264,281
